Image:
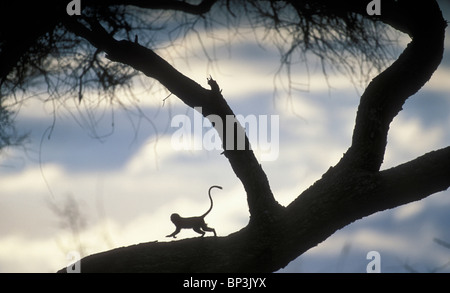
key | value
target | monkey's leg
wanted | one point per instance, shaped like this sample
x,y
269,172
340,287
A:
x,y
208,229
177,230
198,230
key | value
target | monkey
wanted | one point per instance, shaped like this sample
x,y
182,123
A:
x,y
196,223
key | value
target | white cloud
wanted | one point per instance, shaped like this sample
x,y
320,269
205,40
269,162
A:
x,y
20,255
408,139
439,80
405,212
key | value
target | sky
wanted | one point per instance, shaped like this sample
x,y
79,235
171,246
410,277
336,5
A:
x,y
98,175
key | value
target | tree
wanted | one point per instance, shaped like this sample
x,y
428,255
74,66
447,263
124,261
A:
x,y
335,32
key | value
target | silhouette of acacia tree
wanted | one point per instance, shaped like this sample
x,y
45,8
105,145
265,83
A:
x,y
63,56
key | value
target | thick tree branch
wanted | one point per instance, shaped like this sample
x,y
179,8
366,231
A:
x,y
416,179
384,97
262,204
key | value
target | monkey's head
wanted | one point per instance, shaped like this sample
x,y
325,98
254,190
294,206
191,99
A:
x,y
175,218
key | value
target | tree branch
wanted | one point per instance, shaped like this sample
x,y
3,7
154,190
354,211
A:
x,y
384,97
415,180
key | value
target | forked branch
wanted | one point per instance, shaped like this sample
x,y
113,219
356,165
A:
x,y
384,97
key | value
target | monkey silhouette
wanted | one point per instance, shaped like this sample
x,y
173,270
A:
x,y
198,224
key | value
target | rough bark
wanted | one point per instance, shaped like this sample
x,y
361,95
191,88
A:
x,y
352,189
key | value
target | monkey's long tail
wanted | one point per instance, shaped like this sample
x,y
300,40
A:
x,y
210,198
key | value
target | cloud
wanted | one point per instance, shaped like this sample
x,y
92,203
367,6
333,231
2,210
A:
x,y
406,212
20,255
408,139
